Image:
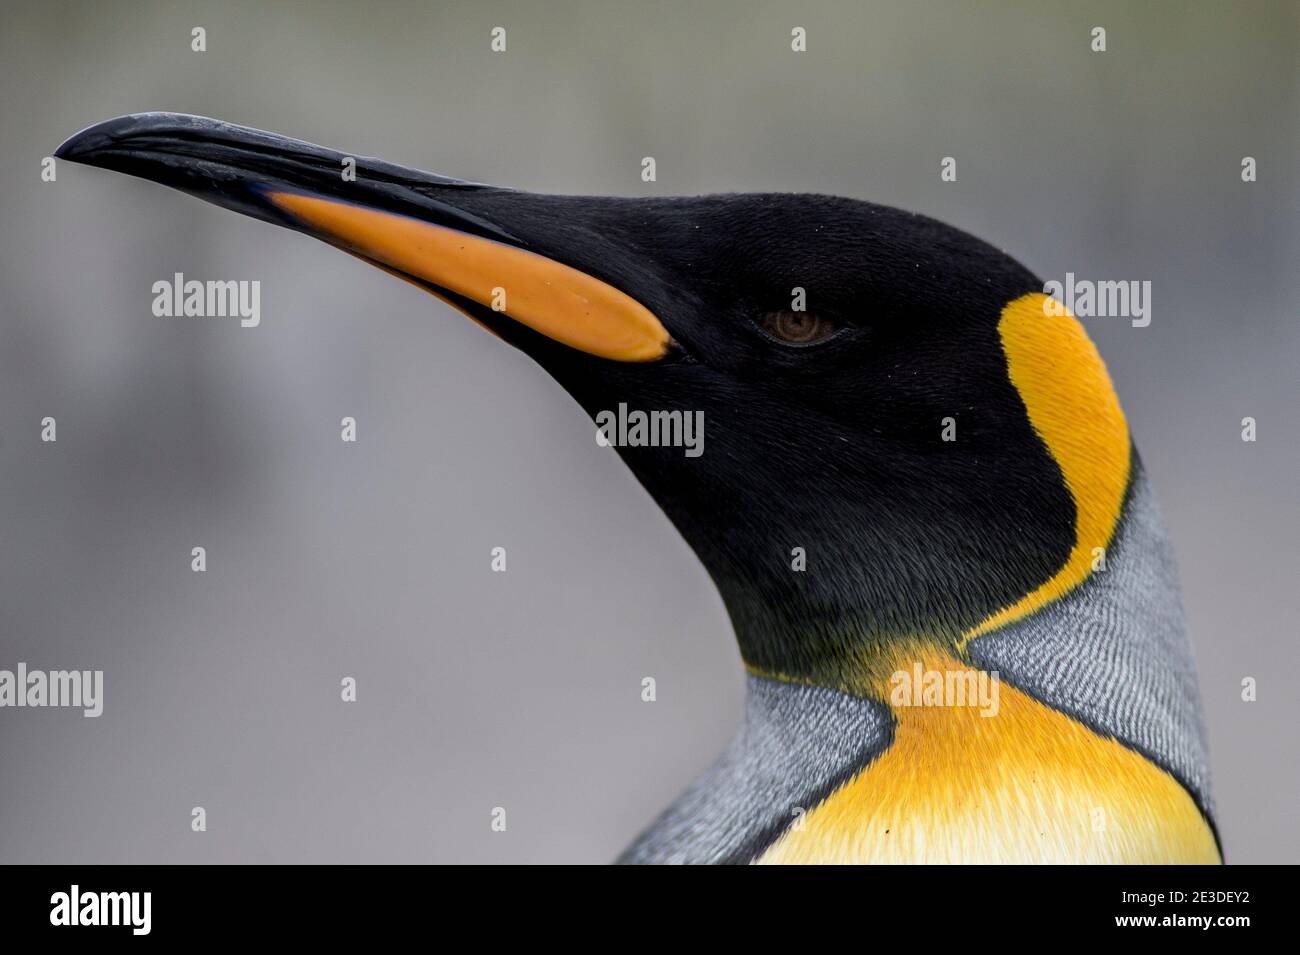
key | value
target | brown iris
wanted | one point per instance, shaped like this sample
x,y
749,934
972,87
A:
x,y
797,328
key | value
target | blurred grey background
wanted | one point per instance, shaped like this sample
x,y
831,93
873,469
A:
x,y
327,560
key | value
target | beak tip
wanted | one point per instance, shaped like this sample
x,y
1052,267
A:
x,y
77,148
85,145
79,145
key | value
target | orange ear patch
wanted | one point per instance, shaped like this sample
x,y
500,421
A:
x,y
1073,408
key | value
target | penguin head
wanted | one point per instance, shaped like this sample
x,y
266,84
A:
x,y
880,395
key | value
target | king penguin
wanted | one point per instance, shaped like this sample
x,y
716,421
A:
x,y
916,466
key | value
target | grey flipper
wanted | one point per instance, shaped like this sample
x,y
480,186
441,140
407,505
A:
x,y
1114,653
795,745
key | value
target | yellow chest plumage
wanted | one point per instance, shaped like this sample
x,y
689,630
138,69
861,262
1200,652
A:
x,y
1028,785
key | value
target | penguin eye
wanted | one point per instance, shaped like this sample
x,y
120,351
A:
x,y
797,328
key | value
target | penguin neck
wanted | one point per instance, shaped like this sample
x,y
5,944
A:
x,y
1100,677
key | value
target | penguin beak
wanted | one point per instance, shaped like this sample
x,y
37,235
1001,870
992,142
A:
x,y
440,233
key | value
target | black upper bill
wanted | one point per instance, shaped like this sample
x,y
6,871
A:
x,y
233,166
